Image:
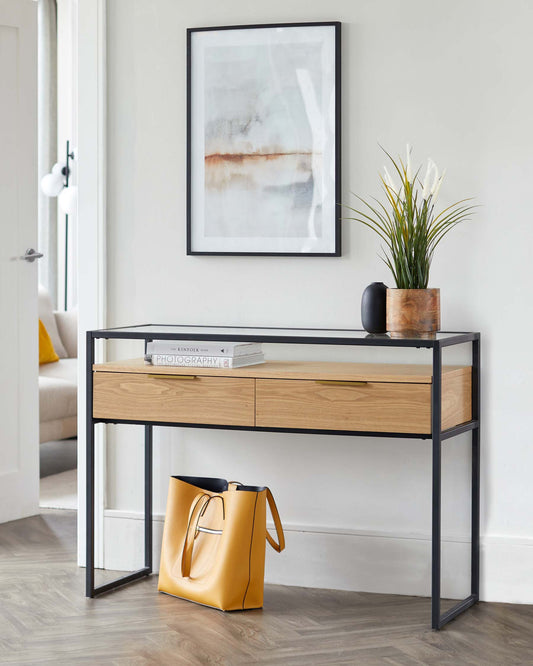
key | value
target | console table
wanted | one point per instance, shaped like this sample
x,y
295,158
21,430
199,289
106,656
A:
x,y
433,402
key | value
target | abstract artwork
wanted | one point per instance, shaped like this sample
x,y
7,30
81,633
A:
x,y
263,135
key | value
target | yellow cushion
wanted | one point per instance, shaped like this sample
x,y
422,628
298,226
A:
x,y
47,352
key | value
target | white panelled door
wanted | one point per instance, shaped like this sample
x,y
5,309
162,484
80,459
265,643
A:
x,y
19,394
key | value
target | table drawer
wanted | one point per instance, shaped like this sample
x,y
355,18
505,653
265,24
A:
x,y
373,407
173,398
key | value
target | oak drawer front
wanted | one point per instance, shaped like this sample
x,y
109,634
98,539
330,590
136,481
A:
x,y
372,407
171,399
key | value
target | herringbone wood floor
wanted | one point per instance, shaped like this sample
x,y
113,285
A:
x,y
44,618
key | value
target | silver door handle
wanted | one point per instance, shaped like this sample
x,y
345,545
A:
x,y
31,255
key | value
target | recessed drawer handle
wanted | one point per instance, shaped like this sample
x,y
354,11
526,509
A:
x,y
160,375
339,382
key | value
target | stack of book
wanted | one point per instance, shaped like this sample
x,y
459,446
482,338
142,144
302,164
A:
x,y
197,354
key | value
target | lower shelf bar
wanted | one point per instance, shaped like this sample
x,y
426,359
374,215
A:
x,y
446,434
123,580
304,431
458,430
457,609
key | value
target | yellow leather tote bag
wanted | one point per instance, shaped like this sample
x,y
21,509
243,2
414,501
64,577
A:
x,y
213,548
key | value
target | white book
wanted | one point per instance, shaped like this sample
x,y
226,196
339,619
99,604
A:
x,y
195,361
199,348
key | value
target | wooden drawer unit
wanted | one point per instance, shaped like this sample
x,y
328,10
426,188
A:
x,y
373,406
306,395
173,398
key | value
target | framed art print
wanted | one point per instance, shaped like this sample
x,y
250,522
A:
x,y
263,140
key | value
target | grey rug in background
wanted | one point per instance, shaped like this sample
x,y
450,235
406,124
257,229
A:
x,y
58,456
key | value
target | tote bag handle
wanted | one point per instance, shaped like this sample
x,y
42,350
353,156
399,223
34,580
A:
x,y
199,507
278,547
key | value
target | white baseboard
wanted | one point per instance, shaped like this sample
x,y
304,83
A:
x,y
507,569
362,561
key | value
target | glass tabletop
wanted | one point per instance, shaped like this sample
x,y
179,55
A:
x,y
273,334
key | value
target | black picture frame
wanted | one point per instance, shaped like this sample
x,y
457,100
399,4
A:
x,y
195,246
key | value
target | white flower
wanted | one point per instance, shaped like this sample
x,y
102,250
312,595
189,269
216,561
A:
x,y
437,189
389,182
435,181
428,186
408,166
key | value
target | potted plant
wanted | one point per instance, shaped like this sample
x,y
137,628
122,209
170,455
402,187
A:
x,y
411,229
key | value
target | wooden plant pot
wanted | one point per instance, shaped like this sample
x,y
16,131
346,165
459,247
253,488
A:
x,y
413,313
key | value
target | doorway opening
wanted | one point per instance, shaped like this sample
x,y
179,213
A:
x,y
57,224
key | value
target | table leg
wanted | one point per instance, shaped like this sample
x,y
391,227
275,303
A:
x,y
89,495
437,620
476,468
148,496
436,487
90,589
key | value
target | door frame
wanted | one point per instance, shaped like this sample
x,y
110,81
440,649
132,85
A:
x,y
91,65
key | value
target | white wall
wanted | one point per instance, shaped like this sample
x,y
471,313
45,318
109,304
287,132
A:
x,y
454,80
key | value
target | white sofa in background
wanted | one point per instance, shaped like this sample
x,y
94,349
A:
x,y
58,382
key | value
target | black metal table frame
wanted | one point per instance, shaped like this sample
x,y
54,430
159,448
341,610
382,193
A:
x,y
437,436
